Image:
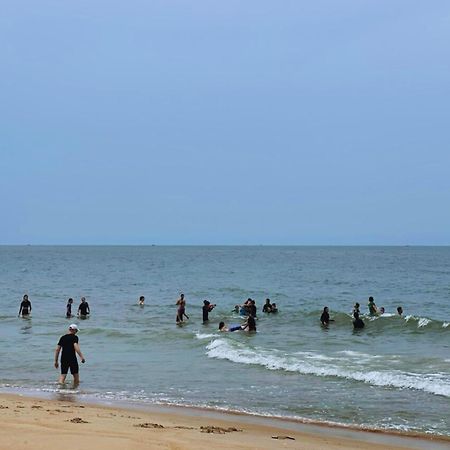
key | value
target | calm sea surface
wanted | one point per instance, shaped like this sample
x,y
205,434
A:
x,y
394,374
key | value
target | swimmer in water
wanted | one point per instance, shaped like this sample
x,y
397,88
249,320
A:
x,y
381,312
141,300
325,317
25,307
223,327
274,308
69,308
400,311
267,308
356,308
357,322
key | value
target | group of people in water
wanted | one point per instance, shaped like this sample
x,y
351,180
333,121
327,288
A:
x,y
69,345
248,309
83,308
357,321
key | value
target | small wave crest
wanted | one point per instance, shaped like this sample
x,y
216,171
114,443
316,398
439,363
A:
x,y
199,335
385,321
309,364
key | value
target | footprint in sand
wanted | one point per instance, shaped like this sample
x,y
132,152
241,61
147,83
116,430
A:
x,y
148,425
77,420
218,430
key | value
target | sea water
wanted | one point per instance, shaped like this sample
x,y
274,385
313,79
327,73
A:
x,y
393,374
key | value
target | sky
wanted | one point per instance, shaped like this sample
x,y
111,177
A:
x,y
225,122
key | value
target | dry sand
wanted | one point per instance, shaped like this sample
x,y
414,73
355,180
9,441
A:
x,y
29,423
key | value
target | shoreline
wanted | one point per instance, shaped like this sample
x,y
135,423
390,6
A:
x,y
257,431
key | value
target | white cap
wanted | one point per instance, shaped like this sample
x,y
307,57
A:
x,y
74,326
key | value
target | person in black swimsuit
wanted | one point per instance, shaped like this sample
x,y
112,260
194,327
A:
x,y
325,317
83,309
70,348
357,322
267,308
25,307
207,308
252,308
69,308
249,324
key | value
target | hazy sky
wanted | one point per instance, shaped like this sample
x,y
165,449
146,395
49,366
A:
x,y
225,122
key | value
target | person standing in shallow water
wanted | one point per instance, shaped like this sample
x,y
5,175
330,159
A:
x,y
357,322
25,307
181,311
325,317
267,308
70,348
69,308
83,309
207,308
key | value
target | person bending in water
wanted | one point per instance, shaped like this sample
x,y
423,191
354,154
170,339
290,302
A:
x,y
357,322
325,317
372,307
141,300
70,347
83,309
25,307
181,311
69,308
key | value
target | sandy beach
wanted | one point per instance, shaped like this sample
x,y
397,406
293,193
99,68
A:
x,y
54,424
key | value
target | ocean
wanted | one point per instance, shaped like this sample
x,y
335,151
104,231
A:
x,y
392,375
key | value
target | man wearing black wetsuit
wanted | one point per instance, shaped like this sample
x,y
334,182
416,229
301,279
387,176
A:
x,y
69,345
83,309
25,306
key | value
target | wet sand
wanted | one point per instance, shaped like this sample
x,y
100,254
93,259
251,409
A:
x,y
36,423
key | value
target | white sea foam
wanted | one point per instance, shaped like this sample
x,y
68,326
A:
x,y
199,335
437,384
445,324
423,322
